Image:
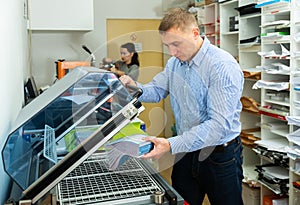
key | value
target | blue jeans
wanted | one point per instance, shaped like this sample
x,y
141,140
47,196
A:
x,y
219,176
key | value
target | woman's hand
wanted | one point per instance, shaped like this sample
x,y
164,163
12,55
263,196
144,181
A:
x,y
113,69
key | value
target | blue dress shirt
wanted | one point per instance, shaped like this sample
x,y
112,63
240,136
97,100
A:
x,y
205,97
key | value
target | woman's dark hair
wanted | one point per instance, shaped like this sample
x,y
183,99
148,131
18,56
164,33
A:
x,y
131,49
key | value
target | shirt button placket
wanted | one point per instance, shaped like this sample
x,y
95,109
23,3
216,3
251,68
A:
x,y
185,97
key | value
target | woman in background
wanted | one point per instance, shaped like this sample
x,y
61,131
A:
x,y
129,63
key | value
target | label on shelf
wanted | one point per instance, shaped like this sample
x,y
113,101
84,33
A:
x,y
269,2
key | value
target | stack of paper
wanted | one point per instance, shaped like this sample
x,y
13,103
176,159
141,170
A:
x,y
275,54
278,144
119,151
276,24
271,85
274,177
294,137
276,172
293,120
293,152
276,68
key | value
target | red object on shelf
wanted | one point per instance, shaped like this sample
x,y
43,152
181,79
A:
x,y
272,115
185,203
296,184
268,200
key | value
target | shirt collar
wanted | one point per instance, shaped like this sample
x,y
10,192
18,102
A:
x,y
201,53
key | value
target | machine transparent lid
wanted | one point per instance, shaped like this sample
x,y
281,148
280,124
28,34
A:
x,y
64,125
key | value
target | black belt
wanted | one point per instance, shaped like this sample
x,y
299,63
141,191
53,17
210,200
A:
x,y
220,148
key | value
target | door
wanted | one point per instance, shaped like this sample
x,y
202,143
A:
x,y
144,33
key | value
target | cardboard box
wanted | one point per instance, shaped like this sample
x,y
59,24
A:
x,y
207,2
275,200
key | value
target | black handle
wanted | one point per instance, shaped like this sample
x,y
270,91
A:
x,y
86,49
137,92
92,55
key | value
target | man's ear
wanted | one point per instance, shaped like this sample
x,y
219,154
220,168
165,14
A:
x,y
196,32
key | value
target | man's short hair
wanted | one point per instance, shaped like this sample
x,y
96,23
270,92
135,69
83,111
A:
x,y
177,18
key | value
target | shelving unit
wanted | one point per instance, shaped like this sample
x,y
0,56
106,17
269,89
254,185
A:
x,y
273,122
209,22
281,16
249,59
295,94
267,46
228,38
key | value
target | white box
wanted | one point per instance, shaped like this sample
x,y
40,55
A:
x,y
251,196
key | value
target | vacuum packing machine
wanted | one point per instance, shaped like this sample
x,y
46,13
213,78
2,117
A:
x,y
56,146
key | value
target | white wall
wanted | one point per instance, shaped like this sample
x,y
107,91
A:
x,y
49,46
13,52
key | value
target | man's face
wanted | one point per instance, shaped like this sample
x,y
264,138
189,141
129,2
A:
x,y
181,44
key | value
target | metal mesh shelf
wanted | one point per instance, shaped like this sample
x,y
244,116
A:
x,y
92,182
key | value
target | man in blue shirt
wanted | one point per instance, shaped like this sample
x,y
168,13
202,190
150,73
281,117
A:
x,y
205,85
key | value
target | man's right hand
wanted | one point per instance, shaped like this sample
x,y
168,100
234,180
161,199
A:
x,y
161,146
126,80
